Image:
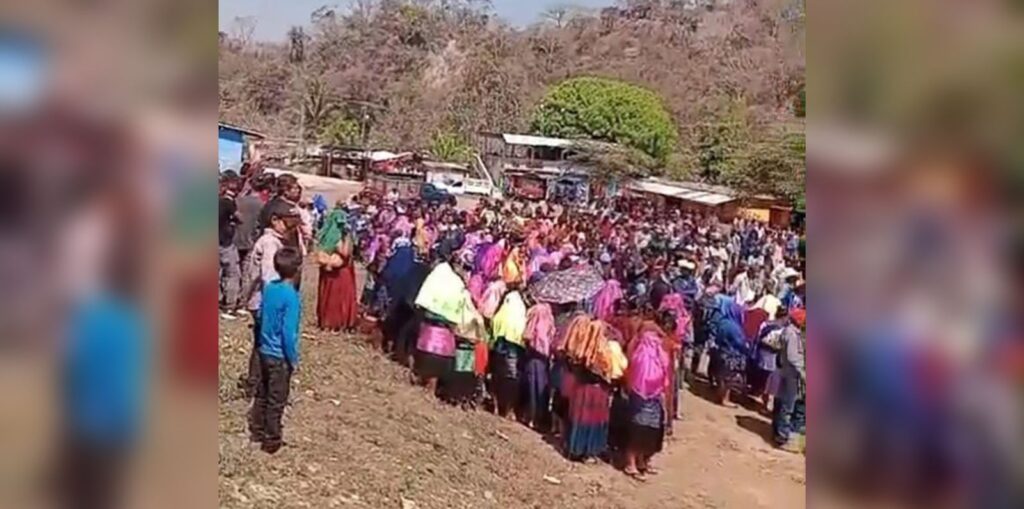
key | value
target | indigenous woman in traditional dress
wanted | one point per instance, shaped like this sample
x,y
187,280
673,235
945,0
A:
x,y
561,379
540,331
508,326
589,395
336,307
435,352
401,277
646,384
728,363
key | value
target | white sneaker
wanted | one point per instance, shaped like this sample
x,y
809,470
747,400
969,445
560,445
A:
x,y
243,312
227,316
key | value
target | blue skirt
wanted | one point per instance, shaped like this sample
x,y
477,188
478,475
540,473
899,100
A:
x,y
536,391
646,430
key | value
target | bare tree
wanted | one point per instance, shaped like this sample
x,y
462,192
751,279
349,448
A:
x,y
443,66
561,15
296,45
243,28
557,15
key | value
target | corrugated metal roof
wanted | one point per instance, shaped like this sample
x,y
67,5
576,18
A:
x,y
243,130
679,191
535,141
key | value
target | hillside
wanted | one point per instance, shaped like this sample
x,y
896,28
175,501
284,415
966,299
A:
x,y
430,66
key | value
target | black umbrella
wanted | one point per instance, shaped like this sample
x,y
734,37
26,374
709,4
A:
x,y
569,285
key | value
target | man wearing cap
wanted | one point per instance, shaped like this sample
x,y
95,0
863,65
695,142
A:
x,y
685,284
790,295
789,413
660,286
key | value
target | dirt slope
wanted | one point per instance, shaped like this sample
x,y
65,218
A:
x,y
360,435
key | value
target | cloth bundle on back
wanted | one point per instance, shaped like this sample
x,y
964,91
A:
x,y
510,320
648,366
444,294
586,344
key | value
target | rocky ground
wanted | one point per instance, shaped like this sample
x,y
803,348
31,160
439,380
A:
x,y
360,435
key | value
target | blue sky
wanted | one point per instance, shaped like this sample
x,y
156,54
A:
x,y
274,17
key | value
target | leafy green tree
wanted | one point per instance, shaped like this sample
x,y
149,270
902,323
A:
x,y
607,110
448,146
340,131
773,165
719,140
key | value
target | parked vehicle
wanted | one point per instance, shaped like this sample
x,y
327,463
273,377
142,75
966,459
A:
x,y
451,186
430,193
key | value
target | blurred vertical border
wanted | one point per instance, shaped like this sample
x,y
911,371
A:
x,y
108,281
914,192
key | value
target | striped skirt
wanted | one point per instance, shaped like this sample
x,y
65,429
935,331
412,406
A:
x,y
589,413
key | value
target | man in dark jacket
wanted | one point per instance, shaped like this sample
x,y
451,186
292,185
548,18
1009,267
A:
x,y
230,267
249,207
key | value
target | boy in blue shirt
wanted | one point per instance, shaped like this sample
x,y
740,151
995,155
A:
x,y
278,347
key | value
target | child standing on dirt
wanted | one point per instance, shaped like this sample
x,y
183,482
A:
x,y
260,272
278,350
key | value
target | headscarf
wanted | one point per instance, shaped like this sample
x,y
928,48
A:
x,y
491,260
402,224
320,203
479,255
674,302
729,324
538,257
421,238
444,294
512,269
540,328
334,229
648,366
604,302
492,298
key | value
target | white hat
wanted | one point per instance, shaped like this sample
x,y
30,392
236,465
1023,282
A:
x,y
686,264
789,272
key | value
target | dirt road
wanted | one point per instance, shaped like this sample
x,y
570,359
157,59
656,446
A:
x,y
359,435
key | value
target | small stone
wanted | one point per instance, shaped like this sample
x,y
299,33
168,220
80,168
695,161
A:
x,y
552,480
488,495
408,504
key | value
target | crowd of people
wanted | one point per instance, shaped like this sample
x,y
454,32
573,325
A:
x,y
581,322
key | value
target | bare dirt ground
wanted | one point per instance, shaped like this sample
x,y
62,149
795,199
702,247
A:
x,y
359,435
